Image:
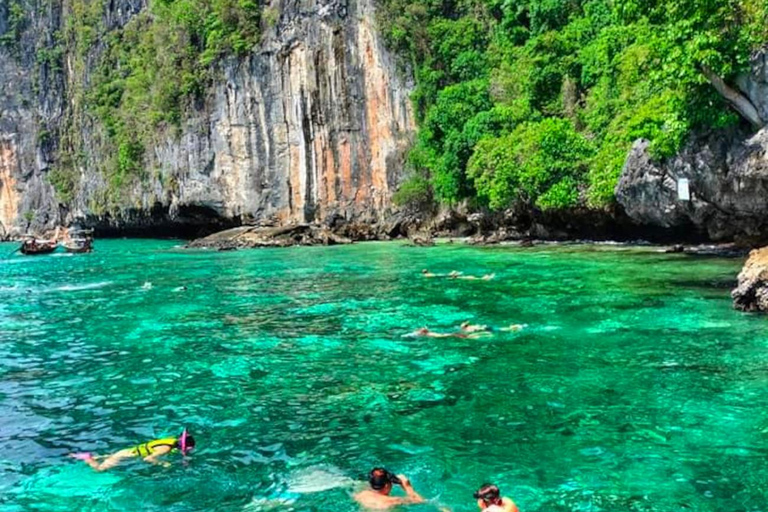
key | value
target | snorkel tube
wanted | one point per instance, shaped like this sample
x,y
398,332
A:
x,y
183,442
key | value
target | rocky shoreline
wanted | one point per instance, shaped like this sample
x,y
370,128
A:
x,y
751,293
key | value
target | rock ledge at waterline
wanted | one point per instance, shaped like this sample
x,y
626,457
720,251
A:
x,y
751,294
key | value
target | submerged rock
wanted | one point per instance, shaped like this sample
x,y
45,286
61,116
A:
x,y
751,294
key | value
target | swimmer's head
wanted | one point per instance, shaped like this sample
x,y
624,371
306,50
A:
x,y
464,325
186,442
425,271
488,494
382,480
422,332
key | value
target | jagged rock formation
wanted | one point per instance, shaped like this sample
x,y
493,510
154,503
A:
x,y
728,182
311,125
751,294
248,237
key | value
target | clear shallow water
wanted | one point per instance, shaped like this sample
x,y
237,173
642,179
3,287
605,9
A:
x,y
634,387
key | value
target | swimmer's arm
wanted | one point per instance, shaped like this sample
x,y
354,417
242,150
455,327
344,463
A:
x,y
413,496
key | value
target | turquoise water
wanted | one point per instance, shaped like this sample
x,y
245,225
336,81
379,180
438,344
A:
x,y
635,386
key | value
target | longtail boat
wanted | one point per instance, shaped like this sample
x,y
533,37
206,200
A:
x,y
32,246
78,245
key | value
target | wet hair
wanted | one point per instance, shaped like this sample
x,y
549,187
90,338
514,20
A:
x,y
488,493
379,478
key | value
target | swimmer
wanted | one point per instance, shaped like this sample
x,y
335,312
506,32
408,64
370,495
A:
x,y
180,289
514,328
382,482
486,277
426,333
149,452
468,327
489,499
453,274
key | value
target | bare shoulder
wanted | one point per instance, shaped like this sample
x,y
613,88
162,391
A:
x,y
509,505
375,501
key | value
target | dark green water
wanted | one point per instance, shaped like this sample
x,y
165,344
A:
x,y
634,387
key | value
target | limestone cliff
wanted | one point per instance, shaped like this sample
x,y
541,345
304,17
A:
x,y
311,125
727,174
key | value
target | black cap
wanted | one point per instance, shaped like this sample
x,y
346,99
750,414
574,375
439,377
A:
x,y
487,492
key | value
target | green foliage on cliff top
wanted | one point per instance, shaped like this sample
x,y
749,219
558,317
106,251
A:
x,y
141,79
537,102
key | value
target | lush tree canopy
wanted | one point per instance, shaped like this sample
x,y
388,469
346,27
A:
x,y
538,101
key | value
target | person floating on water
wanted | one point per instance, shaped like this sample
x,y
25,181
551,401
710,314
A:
x,y
149,452
468,327
378,496
489,499
486,277
426,333
452,275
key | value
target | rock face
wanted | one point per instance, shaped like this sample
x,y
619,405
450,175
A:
x,y
751,294
313,124
247,237
728,182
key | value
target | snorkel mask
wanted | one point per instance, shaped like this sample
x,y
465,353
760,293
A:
x,y
183,442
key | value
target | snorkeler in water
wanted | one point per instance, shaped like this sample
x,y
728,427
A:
x,y
426,333
453,274
469,327
381,482
486,277
478,328
489,499
149,452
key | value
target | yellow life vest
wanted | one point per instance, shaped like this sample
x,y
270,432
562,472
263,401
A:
x,y
148,448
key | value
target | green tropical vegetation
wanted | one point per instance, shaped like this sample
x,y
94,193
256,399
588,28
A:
x,y
537,102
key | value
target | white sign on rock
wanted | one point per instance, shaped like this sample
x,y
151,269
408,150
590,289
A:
x,y
683,190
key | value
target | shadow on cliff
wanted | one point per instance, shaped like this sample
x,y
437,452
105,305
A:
x,y
186,222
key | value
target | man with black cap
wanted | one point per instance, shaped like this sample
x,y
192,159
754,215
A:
x,y
489,499
382,481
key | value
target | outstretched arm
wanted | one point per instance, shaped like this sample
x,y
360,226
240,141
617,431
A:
x,y
413,496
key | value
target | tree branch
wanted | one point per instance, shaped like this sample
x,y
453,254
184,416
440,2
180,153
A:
x,y
738,101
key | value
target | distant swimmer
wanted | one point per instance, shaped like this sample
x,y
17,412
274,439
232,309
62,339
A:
x,y
514,328
453,274
180,289
486,277
149,452
381,484
426,333
469,327
489,499
487,329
